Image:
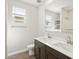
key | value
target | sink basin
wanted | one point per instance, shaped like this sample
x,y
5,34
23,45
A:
x,y
66,47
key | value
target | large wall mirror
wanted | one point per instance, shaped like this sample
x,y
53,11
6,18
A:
x,y
59,16
52,21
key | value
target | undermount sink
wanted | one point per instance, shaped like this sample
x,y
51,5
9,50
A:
x,y
66,47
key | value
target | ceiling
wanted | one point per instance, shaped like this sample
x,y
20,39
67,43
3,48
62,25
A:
x,y
56,5
53,5
32,2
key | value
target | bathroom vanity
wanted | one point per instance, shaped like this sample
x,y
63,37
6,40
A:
x,y
55,24
45,49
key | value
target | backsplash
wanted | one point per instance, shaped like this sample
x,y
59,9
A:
x,y
60,35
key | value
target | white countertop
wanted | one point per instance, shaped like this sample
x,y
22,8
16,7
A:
x,y
50,42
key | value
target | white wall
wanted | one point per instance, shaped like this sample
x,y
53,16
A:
x,y
41,14
67,12
19,38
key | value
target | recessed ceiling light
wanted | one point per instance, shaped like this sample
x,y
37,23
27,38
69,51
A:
x,y
40,1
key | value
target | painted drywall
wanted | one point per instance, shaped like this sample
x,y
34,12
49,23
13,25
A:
x,y
19,37
41,17
67,19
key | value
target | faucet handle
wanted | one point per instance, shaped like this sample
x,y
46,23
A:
x,y
69,41
49,36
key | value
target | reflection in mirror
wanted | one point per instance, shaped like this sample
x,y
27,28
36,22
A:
x,y
52,21
58,16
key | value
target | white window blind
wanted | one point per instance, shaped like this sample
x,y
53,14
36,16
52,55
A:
x,y
18,14
18,11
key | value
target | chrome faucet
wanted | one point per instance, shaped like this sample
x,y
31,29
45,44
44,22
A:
x,y
49,36
69,41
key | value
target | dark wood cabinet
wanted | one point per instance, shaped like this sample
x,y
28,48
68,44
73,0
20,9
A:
x,y
39,50
43,51
49,55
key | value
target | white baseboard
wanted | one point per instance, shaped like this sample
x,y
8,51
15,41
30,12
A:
x,y
17,52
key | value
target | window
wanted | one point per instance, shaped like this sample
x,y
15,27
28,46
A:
x,y
18,14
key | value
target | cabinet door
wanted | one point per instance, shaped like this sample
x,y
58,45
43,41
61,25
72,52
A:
x,y
49,55
54,54
39,50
